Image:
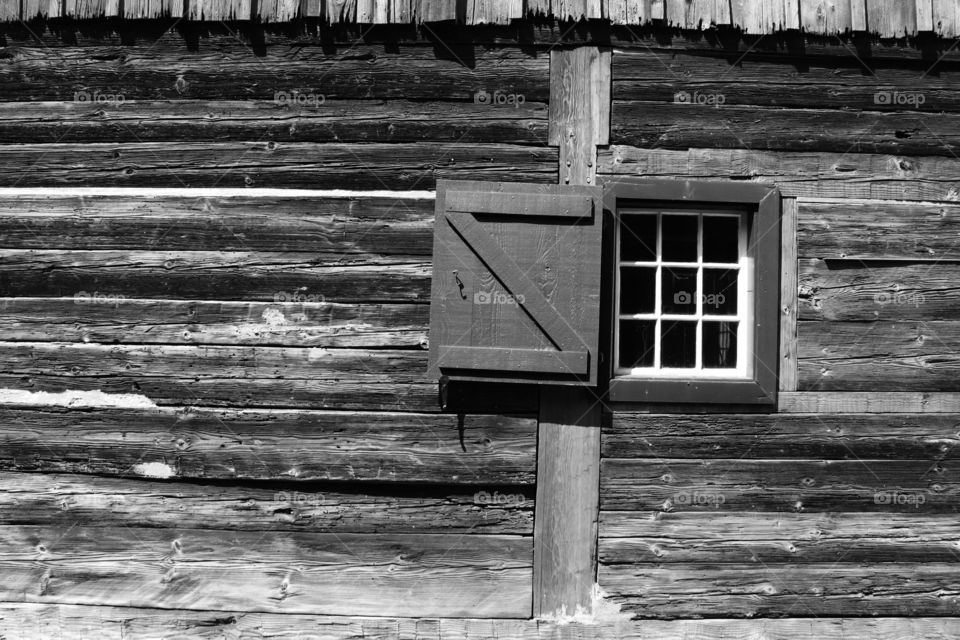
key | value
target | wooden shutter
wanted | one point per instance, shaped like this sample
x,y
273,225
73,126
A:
x,y
516,282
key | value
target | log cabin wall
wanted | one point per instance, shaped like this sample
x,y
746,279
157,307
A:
x,y
217,400
843,503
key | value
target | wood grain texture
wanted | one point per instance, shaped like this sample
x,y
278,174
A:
x,y
788,295
106,277
18,620
946,18
826,16
869,291
281,324
270,164
67,500
270,445
331,226
796,174
682,126
879,356
320,573
868,402
634,537
758,436
724,485
775,590
878,230
282,377
231,70
765,16
892,18
287,116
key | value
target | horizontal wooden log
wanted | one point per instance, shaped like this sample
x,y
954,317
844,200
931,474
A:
x,y
878,230
776,80
271,445
284,324
752,590
239,71
283,117
108,277
838,436
879,356
322,573
796,174
712,125
120,623
328,226
867,402
401,166
632,537
713,486
867,291
68,500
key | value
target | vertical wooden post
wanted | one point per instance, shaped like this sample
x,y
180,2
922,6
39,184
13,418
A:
x,y
568,446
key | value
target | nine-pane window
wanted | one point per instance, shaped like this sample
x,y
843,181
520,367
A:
x,y
684,294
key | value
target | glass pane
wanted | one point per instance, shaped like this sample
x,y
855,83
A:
x,y
680,238
636,343
638,289
719,345
679,293
678,344
638,237
721,236
720,292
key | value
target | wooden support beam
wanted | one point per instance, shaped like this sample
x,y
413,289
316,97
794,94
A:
x,y
568,447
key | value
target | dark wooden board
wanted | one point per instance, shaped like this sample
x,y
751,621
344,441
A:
x,y
282,324
835,436
280,119
68,500
401,166
715,486
295,446
327,226
117,275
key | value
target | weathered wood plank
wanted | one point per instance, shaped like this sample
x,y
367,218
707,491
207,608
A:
x,y
247,164
878,230
879,356
765,16
788,295
796,174
657,74
324,225
697,14
270,445
631,537
892,18
120,623
493,12
853,290
750,590
337,574
843,436
826,16
867,402
95,501
289,377
710,125
286,116
287,324
946,18
107,277
233,71
713,486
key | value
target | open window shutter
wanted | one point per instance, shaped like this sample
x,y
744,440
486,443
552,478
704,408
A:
x,y
516,282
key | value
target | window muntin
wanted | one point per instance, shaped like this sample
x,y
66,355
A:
x,y
684,294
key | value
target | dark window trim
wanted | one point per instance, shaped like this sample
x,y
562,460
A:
x,y
763,245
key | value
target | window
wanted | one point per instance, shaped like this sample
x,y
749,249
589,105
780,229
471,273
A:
x,y
695,291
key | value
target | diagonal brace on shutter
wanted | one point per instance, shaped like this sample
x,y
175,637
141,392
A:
x,y
517,282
